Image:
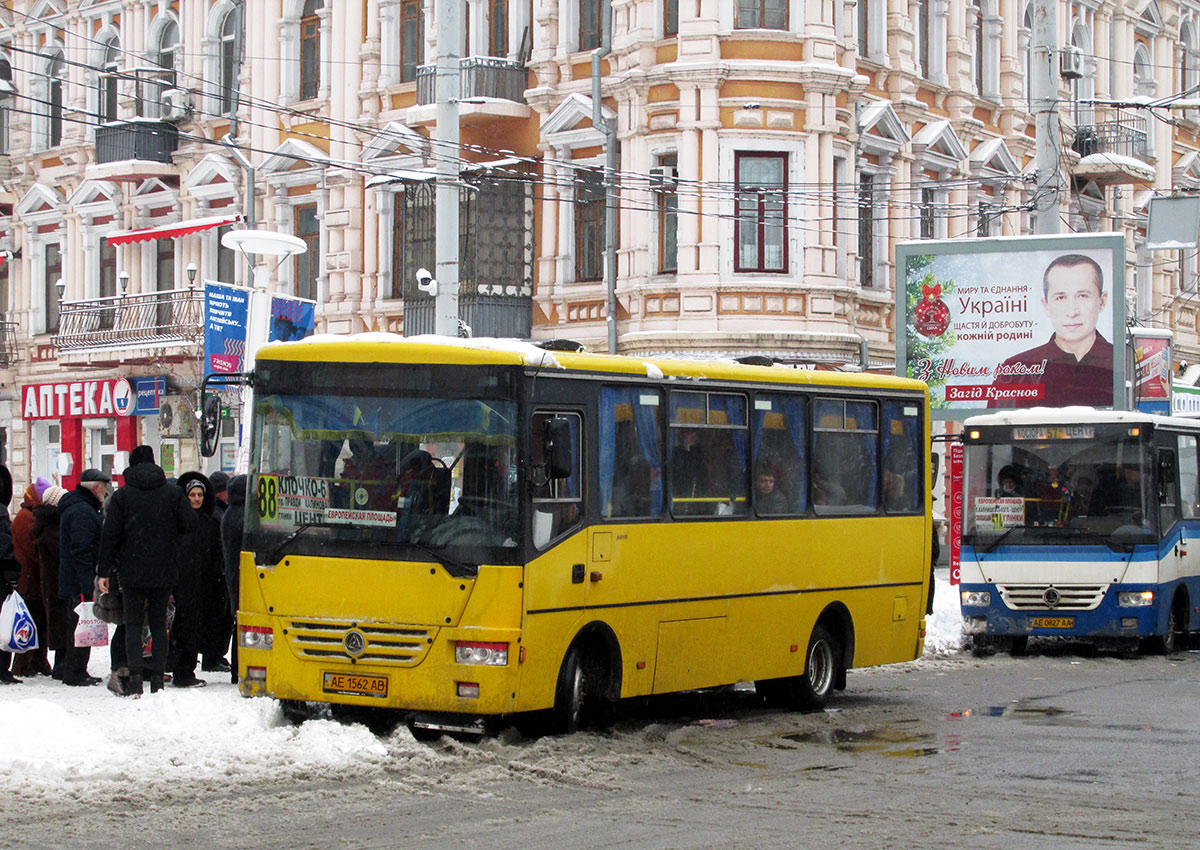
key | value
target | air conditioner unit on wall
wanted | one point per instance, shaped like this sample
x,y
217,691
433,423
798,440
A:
x,y
1070,62
176,105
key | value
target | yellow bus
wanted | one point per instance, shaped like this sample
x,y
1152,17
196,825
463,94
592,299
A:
x,y
466,530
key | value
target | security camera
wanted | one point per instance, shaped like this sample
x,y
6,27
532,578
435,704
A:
x,y
425,282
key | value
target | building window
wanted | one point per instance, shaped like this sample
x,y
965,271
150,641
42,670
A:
x,y
106,107
166,59
498,27
108,269
4,305
4,126
164,253
761,191
50,279
866,230
762,14
591,22
415,237
310,50
412,39
670,18
863,24
56,76
589,225
308,228
231,60
976,20
926,213
666,206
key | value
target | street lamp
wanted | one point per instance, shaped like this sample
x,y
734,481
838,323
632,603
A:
x,y
191,271
61,286
123,280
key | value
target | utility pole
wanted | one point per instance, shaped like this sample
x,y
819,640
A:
x,y
445,151
1044,91
611,196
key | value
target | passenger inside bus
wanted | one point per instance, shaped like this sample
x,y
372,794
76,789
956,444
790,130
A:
x,y
768,498
690,484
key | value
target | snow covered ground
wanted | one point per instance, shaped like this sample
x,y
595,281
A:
x,y
56,740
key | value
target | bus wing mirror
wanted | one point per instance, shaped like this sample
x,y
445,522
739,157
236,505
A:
x,y
210,423
935,464
556,447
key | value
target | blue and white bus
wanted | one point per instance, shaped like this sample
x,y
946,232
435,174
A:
x,y
1080,523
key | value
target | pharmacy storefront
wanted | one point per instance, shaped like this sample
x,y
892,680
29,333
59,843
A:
x,y
76,425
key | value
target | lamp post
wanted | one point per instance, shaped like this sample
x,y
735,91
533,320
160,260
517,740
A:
x,y
123,281
191,271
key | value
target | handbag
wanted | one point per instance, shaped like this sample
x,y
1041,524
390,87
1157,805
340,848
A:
x,y
91,630
17,631
110,606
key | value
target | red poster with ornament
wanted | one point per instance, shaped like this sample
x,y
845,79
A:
x,y
956,509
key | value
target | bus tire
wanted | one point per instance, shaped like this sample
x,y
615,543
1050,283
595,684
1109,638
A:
x,y
821,665
1018,646
579,701
1175,638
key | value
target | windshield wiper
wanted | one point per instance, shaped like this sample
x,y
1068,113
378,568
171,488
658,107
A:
x,y
458,569
275,554
990,547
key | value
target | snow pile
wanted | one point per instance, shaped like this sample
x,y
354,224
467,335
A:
x,y
943,629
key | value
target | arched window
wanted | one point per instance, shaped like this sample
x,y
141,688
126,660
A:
x,y
106,104
165,57
1083,89
56,76
1143,71
310,49
231,60
1025,39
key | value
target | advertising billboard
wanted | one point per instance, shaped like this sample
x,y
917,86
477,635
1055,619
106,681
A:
x,y
1013,322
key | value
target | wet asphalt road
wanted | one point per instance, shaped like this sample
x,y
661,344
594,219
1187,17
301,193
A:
x,y
1053,750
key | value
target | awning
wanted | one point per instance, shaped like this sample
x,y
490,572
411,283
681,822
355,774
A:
x,y
171,231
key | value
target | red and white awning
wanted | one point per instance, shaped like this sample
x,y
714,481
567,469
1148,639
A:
x,y
171,231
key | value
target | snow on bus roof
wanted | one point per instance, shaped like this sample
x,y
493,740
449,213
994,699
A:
x,y
1061,416
531,354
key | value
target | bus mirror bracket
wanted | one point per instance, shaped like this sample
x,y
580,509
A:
x,y
556,442
210,407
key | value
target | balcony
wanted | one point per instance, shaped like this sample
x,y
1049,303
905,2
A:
x,y
134,150
9,353
1115,150
482,76
131,323
486,315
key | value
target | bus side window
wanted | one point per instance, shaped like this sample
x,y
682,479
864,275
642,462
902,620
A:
x,y
780,454
845,463
631,452
1189,479
1168,506
557,502
901,453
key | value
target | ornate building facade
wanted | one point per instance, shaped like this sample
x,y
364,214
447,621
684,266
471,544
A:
x,y
770,154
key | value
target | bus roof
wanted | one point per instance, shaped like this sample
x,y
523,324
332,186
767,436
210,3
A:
x,y
393,348
1070,416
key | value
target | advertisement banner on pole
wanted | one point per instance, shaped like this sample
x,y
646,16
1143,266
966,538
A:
x,y
956,511
1013,322
291,318
225,322
1152,357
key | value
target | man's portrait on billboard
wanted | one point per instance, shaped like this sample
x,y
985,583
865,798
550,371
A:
x,y
1075,366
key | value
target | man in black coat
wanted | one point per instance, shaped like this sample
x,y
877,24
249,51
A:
x,y
218,617
79,543
146,520
232,525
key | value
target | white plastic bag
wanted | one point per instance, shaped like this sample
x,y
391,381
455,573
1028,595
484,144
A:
x,y
17,631
91,631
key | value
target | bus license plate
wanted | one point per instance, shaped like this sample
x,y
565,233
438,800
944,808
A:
x,y
359,686
1051,622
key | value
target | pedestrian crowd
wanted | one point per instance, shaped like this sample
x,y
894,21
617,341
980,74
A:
x,y
158,557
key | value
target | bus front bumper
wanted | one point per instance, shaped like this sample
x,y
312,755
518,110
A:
x,y
1108,619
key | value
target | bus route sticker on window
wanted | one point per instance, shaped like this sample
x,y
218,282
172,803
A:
x,y
352,516
1003,512
266,498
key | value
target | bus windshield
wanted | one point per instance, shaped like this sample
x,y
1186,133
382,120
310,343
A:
x,y
1057,488
384,463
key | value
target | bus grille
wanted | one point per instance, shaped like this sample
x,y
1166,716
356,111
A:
x,y
1071,597
399,646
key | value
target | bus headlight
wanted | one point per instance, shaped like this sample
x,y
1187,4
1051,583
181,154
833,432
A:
x,y
976,598
256,637
486,654
1135,598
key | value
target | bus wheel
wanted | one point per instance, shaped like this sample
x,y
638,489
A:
x,y
1019,645
820,669
1174,638
294,711
579,701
